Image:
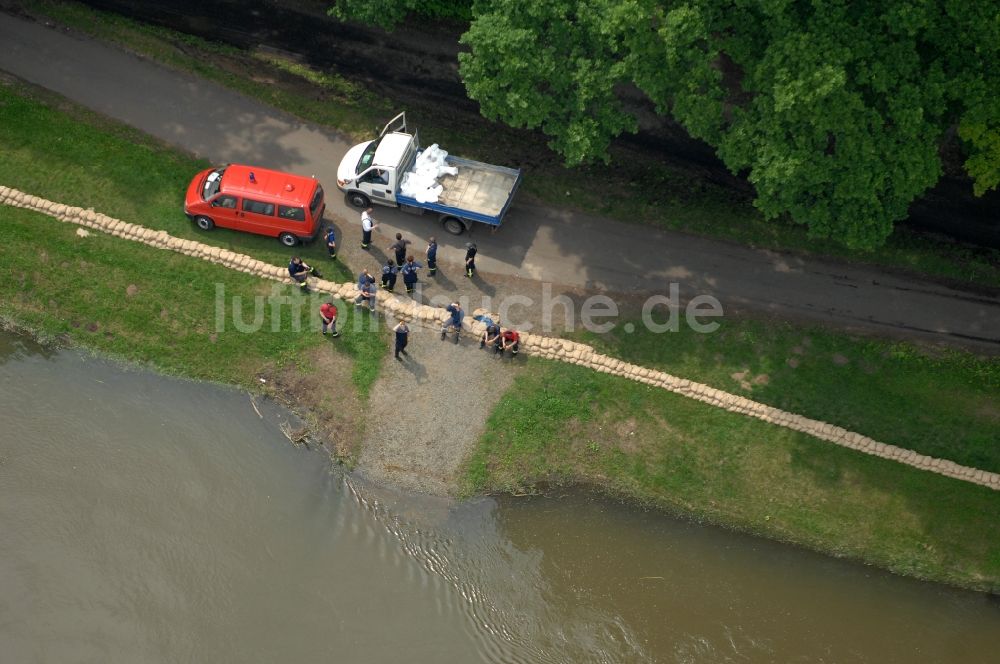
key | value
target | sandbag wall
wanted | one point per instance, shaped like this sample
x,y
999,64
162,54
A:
x,y
551,348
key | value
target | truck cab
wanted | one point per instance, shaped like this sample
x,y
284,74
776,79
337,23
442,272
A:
x,y
370,172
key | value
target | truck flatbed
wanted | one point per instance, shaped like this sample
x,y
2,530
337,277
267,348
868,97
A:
x,y
480,192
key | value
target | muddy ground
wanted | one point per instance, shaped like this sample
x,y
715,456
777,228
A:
x,y
416,66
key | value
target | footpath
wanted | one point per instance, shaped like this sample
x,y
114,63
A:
x,y
531,344
561,247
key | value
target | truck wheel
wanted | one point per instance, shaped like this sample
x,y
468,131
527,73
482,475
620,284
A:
x,y
453,225
359,200
204,223
288,239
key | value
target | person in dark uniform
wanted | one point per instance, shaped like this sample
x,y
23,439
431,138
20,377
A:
x,y
389,271
399,248
366,288
331,243
470,259
491,336
409,271
454,321
402,338
300,272
432,255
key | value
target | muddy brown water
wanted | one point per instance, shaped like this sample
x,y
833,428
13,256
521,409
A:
x,y
148,519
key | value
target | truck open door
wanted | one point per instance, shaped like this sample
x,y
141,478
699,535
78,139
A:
x,y
398,123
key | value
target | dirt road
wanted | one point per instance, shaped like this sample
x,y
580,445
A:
x,y
548,245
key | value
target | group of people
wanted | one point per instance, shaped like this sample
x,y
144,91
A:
x,y
405,264
500,341
492,337
398,249
368,224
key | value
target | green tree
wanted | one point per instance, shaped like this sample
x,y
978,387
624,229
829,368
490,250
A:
x,y
553,65
390,13
834,110
984,161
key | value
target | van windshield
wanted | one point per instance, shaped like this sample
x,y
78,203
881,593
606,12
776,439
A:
x,y
367,156
212,183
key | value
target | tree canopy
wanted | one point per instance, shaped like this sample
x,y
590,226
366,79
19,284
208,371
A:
x,y
834,110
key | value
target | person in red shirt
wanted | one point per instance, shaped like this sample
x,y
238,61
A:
x,y
509,340
328,314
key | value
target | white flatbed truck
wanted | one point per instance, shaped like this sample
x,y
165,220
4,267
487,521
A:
x,y
371,173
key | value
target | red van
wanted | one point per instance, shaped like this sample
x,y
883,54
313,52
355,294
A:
x,y
256,200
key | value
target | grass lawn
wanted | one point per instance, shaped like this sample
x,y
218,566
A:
x,y
632,188
564,423
88,162
944,403
157,307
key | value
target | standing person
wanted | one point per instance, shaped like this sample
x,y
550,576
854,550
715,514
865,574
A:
x,y
366,284
453,321
328,314
410,273
300,272
402,338
399,248
491,336
510,340
389,271
367,226
470,259
432,255
331,243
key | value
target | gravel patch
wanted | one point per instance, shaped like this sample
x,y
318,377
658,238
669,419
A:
x,y
427,411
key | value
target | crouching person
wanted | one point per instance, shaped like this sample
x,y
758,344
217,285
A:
x,y
300,272
491,337
328,314
509,340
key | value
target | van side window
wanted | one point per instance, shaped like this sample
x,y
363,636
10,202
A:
x,y
225,202
293,213
258,207
376,176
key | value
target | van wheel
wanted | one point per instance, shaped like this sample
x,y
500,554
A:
x,y
453,225
288,239
204,223
359,200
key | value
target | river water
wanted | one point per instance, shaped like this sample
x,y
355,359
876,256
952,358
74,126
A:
x,y
148,519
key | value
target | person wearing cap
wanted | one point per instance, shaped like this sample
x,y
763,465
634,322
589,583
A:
x,y
432,255
402,338
331,243
470,259
509,340
389,271
409,271
300,272
453,321
328,314
399,248
367,226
